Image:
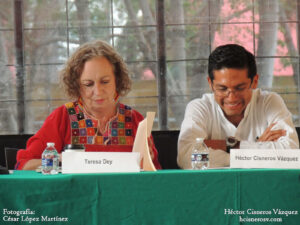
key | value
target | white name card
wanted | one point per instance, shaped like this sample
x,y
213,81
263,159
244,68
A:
x,y
265,158
100,162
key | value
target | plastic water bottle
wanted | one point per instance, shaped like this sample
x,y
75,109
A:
x,y
200,155
50,160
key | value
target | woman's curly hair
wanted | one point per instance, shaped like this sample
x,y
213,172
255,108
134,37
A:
x,y
73,68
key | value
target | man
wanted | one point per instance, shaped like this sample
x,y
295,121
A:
x,y
236,114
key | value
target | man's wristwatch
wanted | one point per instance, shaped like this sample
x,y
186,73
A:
x,y
231,142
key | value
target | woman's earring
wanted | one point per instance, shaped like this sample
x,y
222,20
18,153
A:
x,y
116,98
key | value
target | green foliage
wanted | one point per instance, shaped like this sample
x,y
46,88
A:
x,y
285,62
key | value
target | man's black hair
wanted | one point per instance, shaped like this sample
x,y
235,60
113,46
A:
x,y
231,56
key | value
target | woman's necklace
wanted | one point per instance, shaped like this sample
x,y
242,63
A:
x,y
103,121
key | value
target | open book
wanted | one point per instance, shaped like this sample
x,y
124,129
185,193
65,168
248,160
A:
x,y
141,142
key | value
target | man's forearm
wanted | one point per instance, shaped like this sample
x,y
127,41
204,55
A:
x,y
216,144
219,144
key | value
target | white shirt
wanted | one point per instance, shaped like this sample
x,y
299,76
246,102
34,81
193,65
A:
x,y
205,118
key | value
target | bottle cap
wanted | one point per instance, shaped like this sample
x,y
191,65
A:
x,y
50,144
74,147
199,139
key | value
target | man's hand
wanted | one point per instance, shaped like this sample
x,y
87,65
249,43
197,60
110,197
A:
x,y
272,135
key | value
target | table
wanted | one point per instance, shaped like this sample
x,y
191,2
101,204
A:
x,y
217,197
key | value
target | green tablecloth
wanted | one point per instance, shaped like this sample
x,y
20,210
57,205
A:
x,y
162,197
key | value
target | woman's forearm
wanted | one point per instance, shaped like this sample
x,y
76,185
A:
x,y
32,164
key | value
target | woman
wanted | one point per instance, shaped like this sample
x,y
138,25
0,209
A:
x,y
94,76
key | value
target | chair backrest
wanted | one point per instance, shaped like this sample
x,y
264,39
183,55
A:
x,y
10,157
13,141
166,145
298,132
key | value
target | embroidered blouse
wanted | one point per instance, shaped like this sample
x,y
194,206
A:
x,y
85,129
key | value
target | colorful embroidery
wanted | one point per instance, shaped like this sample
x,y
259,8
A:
x,y
85,131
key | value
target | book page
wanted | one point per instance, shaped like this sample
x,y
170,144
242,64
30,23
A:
x,y
141,143
150,118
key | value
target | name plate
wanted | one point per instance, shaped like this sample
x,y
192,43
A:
x,y
265,158
100,162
